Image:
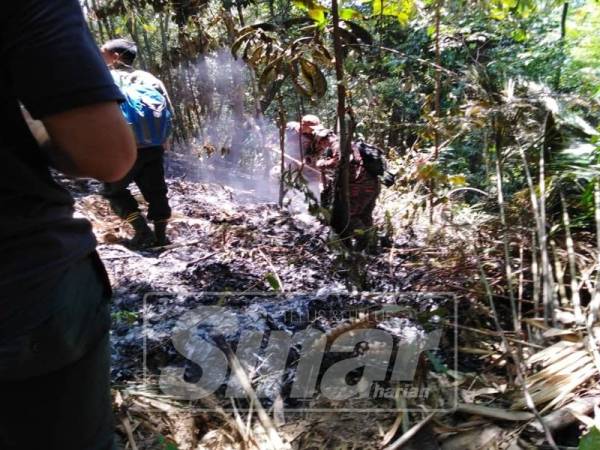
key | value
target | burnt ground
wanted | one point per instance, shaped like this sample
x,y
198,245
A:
x,y
289,269
277,272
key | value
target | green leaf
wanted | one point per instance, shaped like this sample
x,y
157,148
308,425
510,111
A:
x,y
273,281
349,14
498,13
437,363
301,4
314,10
590,440
359,232
166,445
318,15
149,27
403,10
519,35
457,180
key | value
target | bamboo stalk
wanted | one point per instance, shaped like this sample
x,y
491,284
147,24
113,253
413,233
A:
x,y
537,206
575,298
547,281
521,282
515,356
560,276
507,259
595,303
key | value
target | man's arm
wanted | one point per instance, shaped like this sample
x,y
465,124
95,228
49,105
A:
x,y
330,155
91,141
73,160
55,69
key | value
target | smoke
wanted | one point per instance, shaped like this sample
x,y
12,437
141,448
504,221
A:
x,y
236,145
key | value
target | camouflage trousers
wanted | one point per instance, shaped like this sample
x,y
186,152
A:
x,y
363,197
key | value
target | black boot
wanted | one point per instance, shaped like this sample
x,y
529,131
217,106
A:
x,y
160,232
143,237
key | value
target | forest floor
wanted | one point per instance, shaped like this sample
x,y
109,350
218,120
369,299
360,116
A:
x,y
281,270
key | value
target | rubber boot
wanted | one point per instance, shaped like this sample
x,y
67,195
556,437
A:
x,y
143,236
160,232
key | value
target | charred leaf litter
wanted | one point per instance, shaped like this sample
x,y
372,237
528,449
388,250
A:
x,y
273,269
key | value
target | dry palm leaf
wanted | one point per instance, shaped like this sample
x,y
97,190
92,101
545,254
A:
x,y
565,367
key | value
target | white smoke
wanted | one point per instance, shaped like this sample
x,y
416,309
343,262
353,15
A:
x,y
233,146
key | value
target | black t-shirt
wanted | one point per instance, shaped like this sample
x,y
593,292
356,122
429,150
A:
x,y
49,62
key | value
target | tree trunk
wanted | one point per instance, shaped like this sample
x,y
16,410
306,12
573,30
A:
x,y
178,123
240,12
101,25
548,294
499,131
437,95
563,32
281,149
438,77
132,28
148,49
99,31
271,10
394,134
340,216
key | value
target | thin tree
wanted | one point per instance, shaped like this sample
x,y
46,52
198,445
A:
x,y
340,216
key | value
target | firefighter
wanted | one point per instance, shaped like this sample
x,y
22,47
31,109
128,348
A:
x,y
299,137
364,186
321,151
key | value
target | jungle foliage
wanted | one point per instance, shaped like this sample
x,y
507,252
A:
x,y
498,96
391,67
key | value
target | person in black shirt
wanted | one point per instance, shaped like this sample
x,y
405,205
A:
x,y
54,293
